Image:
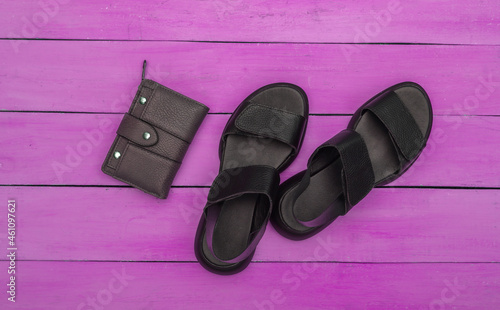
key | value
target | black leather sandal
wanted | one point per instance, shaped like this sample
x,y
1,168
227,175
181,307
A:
x,y
262,137
383,139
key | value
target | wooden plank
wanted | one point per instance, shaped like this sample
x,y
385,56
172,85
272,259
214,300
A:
x,y
103,76
389,225
420,21
68,149
119,285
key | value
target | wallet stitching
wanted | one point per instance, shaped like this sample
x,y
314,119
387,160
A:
x,y
120,162
129,142
183,96
139,187
136,98
158,139
147,106
132,183
111,150
106,162
154,128
153,93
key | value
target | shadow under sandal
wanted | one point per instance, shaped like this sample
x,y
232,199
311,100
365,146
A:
x,y
262,137
383,139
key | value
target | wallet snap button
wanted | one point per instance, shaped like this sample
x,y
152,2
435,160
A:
x,y
117,155
142,100
146,135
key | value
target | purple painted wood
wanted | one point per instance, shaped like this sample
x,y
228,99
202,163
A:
x,y
422,21
153,286
400,248
59,148
103,76
390,225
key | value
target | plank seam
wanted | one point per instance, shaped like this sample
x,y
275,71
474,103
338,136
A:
x,y
251,42
254,262
212,113
207,186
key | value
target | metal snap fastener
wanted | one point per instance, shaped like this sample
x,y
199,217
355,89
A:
x,y
117,155
142,100
146,135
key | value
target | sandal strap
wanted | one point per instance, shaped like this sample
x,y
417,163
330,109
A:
x,y
263,121
357,174
234,182
403,128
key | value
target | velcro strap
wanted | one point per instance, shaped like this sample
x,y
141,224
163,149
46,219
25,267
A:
x,y
272,123
401,125
358,176
234,182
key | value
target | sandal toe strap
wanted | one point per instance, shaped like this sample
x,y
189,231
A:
x,y
402,127
357,173
267,122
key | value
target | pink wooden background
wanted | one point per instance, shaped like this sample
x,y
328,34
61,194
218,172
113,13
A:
x,y
68,71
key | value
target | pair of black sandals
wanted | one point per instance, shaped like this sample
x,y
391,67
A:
x,y
264,135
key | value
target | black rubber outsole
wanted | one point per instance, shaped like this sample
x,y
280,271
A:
x,y
236,268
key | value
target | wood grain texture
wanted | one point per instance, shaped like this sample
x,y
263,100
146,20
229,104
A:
x,y
123,224
68,149
86,241
153,286
103,76
419,21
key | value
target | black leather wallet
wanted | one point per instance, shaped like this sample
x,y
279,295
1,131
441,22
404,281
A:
x,y
153,138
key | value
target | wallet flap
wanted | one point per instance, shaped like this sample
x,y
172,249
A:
x,y
137,131
168,110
